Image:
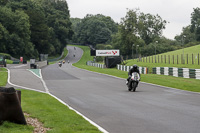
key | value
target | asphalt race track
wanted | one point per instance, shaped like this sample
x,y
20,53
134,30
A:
x,y
106,101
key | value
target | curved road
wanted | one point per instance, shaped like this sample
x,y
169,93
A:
x,y
106,101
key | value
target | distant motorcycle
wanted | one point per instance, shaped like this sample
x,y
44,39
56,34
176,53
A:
x,y
60,64
134,81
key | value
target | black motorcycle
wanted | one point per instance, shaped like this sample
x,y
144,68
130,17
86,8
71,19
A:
x,y
60,64
134,81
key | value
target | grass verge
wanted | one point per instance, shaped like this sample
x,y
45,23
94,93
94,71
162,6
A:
x,y
64,55
169,81
53,114
3,76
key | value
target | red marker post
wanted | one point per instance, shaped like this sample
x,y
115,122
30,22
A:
x,y
21,59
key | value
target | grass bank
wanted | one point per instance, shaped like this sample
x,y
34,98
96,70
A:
x,y
49,111
53,114
3,76
64,55
169,81
172,56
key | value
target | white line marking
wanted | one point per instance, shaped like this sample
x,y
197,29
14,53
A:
x,y
93,123
44,84
19,66
47,91
21,86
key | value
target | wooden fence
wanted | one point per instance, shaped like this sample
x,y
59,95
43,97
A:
x,y
172,59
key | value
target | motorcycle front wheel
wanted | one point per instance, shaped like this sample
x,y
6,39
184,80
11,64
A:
x,y
130,87
134,85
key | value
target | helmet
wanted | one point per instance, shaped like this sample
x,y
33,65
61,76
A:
x,y
135,67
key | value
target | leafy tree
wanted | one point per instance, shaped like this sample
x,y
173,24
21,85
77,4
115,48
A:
x,y
95,29
75,24
195,23
57,17
3,38
186,36
16,32
3,2
49,23
139,29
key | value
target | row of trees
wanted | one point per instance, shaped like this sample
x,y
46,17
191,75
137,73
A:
x,y
93,29
137,31
29,28
191,33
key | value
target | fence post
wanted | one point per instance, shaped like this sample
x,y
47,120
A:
x,y
181,58
158,58
165,59
198,58
173,59
177,59
169,58
187,58
192,59
149,59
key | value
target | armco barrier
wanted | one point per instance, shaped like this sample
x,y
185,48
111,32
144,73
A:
x,y
143,70
90,63
41,64
177,72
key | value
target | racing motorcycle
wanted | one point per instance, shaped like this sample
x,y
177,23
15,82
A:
x,y
60,64
134,81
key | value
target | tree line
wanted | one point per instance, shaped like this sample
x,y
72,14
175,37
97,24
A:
x,y
137,33
29,28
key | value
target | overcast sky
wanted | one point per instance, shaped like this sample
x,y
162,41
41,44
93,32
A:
x,y
176,12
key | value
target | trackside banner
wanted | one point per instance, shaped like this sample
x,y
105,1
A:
x,y
107,52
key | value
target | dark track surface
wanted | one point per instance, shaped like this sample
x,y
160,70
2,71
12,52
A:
x,y
106,101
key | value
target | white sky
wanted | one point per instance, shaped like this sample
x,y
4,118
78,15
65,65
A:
x,y
176,12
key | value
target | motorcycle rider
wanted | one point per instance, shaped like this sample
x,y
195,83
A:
x,y
60,63
132,70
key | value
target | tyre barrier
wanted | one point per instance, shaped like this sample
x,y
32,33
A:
x,y
90,63
177,72
143,70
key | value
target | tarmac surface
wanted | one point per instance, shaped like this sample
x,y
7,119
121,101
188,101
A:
x,y
107,101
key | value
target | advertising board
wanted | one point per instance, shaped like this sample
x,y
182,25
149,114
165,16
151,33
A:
x,y
107,53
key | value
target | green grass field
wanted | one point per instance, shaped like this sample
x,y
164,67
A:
x,y
53,114
60,119
3,76
169,81
64,55
170,58
147,61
